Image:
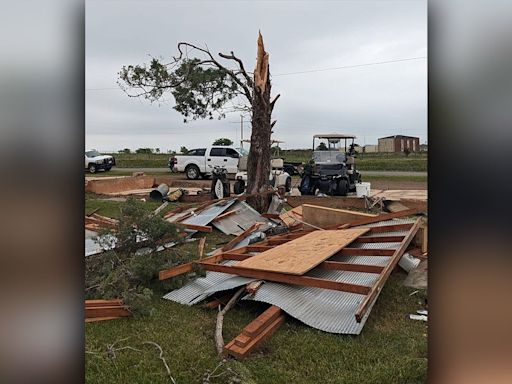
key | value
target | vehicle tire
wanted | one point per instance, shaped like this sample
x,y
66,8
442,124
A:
x,y
192,172
108,169
288,184
92,168
342,187
227,188
239,187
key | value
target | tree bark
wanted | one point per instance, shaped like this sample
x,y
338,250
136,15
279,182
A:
x,y
258,162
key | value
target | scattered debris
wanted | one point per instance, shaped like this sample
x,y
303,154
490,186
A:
x,y
418,317
255,332
98,310
324,217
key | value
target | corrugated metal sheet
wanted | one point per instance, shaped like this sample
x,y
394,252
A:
x,y
238,222
199,289
327,310
207,215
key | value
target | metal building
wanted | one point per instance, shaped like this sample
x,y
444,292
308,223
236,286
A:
x,y
399,143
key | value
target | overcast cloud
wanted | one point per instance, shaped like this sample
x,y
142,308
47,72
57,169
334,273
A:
x,y
369,101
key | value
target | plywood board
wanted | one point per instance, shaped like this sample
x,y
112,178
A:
x,y
303,254
324,217
289,217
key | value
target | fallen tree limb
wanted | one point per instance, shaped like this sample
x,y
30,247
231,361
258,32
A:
x,y
219,339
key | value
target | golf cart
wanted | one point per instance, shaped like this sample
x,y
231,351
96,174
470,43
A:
x,y
332,169
278,177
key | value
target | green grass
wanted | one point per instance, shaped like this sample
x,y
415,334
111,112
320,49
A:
x,y
419,179
141,160
390,349
416,162
111,208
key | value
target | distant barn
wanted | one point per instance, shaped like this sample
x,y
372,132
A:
x,y
399,143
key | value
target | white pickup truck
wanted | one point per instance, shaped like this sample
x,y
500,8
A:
x,y
94,161
199,162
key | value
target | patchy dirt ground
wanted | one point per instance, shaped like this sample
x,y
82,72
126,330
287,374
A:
x,y
387,184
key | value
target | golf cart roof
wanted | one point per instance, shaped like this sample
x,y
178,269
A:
x,y
334,136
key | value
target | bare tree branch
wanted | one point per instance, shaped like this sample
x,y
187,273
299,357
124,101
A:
x,y
232,74
274,101
241,64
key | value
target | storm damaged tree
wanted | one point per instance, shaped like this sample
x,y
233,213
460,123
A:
x,y
208,86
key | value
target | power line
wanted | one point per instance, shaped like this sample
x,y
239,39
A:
x,y
352,66
312,70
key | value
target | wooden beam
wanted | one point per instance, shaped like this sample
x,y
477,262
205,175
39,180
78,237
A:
x,y
235,256
366,252
240,237
379,239
384,217
376,288
226,214
234,349
185,268
287,279
339,266
200,228
258,248
390,228
103,303
112,311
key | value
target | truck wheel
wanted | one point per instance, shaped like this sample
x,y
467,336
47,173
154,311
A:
x,y
288,184
108,169
192,172
227,188
342,187
92,168
239,187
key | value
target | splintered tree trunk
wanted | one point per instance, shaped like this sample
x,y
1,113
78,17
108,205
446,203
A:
x,y
258,162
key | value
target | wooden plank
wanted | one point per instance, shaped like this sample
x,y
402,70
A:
x,y
379,239
103,303
366,252
235,256
185,268
119,311
226,214
200,228
240,237
390,228
384,217
239,352
324,217
93,319
303,254
339,202
255,327
259,248
242,340
288,279
339,266
376,288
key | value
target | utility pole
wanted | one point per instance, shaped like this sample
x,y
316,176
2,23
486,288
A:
x,y
242,131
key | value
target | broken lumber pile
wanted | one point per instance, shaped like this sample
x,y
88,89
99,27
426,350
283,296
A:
x,y
98,310
255,332
95,222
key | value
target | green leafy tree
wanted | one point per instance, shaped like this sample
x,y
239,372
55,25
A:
x,y
223,141
129,270
207,86
126,150
144,150
322,147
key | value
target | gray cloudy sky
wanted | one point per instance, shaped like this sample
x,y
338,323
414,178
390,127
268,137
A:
x,y
368,101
